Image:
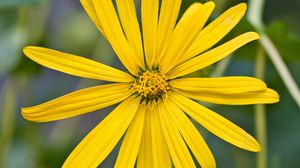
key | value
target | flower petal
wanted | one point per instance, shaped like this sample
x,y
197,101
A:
x,y
145,158
90,10
114,34
160,153
191,136
149,14
75,65
223,85
215,31
130,24
178,150
212,56
216,124
267,96
131,143
95,147
167,20
78,102
185,32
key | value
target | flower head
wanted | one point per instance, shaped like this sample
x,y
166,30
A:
x,y
155,96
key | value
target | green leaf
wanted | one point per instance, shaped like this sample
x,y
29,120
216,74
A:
x,y
75,34
17,3
11,43
285,39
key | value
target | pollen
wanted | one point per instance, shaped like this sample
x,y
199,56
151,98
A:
x,y
151,84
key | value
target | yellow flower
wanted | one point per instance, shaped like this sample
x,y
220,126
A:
x,y
156,98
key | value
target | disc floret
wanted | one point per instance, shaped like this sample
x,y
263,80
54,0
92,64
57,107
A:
x,y
151,85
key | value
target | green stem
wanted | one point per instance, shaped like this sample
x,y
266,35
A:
x,y
31,132
281,67
8,120
255,13
260,112
221,67
255,18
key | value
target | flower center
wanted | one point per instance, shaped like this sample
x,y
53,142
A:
x,y
151,84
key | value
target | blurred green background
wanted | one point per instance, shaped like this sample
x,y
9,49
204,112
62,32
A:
x,y
63,25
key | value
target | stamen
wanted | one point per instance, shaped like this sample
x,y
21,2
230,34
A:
x,y
151,85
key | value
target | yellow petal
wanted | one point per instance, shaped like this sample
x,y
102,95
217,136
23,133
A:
x,y
212,56
130,24
90,10
178,150
160,153
75,65
191,136
77,103
215,31
223,85
145,158
185,32
149,15
131,143
168,16
216,124
95,147
114,34
267,96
